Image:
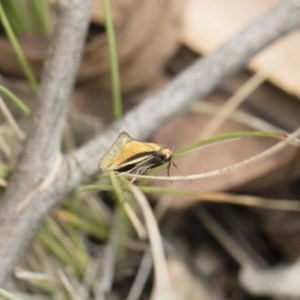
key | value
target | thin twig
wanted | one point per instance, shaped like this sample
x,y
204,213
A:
x,y
254,159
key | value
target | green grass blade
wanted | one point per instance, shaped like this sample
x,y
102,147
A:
x,y
113,57
89,226
124,201
41,16
15,14
18,50
17,101
229,136
8,296
60,247
5,171
95,187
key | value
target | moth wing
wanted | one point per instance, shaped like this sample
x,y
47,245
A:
x,y
138,165
114,151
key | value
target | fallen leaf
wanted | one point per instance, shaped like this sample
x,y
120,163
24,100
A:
x,y
186,128
208,24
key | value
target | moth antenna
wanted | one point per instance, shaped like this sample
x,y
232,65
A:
x,y
179,169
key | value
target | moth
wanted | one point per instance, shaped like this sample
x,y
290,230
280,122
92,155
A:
x,y
127,155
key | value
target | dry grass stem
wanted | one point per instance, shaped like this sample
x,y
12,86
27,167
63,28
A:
x,y
254,159
238,116
141,277
233,102
232,247
11,120
162,289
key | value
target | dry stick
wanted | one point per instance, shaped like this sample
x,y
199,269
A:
x,y
43,145
195,82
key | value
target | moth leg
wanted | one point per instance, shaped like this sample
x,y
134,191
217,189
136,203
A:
x,y
168,168
130,171
138,169
171,161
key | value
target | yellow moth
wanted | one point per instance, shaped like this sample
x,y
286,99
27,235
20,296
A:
x,y
127,155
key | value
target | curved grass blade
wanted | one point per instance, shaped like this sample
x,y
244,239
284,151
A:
x,y
18,50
